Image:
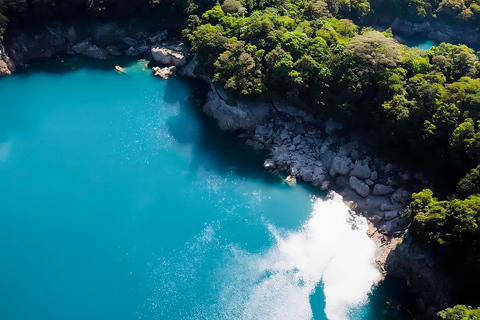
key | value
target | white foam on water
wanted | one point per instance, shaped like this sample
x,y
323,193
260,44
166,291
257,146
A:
x,y
330,248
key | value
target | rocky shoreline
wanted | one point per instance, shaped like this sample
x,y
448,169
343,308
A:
x,y
310,149
301,145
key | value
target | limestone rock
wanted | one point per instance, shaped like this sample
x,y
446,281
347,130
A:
x,y
382,190
165,73
173,54
233,118
359,186
7,66
374,176
96,53
291,180
361,170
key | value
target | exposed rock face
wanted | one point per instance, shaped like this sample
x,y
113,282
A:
x,y
166,72
106,39
416,265
436,29
44,44
234,117
170,54
7,66
96,53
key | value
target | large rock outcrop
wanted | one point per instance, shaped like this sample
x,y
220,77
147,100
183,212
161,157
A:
x,y
239,117
7,66
170,54
417,266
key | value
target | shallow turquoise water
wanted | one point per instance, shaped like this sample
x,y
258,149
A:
x,y
420,42
119,200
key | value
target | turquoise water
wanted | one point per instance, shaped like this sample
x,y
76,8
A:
x,y
420,42
120,200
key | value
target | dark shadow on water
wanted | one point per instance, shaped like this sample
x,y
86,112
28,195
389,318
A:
x,y
391,300
213,148
64,63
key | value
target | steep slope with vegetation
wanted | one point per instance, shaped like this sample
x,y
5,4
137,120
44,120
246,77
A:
x,y
423,105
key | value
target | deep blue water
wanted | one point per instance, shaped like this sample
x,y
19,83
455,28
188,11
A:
x,y
120,200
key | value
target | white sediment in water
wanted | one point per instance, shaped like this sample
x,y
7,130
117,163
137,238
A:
x,y
332,248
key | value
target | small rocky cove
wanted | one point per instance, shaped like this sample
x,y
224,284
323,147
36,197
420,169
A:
x,y
301,145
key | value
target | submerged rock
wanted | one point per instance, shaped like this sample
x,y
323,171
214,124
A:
x,y
291,180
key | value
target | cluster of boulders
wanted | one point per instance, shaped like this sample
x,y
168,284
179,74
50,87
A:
x,y
102,41
311,149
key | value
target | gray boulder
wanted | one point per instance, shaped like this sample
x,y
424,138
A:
x,y
361,170
341,165
131,52
359,186
129,41
382,190
113,50
96,53
81,46
142,48
390,215
159,36
401,195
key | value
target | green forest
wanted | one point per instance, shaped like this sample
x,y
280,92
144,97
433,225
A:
x,y
424,106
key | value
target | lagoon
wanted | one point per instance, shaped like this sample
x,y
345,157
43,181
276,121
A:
x,y
120,200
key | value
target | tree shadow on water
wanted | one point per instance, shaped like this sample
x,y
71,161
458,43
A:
x,y
64,63
212,148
